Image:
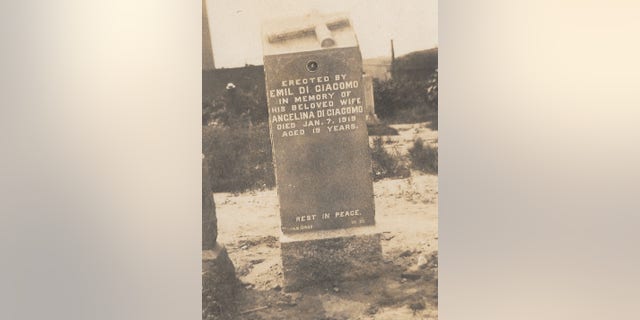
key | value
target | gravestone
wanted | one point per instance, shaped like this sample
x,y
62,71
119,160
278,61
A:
x,y
219,282
315,95
369,102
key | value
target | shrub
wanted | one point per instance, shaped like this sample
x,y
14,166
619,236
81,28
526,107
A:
x,y
384,164
424,158
405,101
235,107
239,158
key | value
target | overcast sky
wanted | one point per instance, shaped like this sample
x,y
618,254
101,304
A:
x,y
235,25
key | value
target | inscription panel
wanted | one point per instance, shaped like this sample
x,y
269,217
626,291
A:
x,y
320,142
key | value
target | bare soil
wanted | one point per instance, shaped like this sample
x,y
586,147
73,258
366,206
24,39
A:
x,y
406,212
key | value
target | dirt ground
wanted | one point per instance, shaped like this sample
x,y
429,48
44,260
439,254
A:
x,y
406,213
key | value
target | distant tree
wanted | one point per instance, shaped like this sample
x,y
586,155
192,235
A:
x,y
416,66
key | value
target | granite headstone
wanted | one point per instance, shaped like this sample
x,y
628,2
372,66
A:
x,y
315,95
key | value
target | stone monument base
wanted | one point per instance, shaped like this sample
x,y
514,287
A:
x,y
219,284
330,256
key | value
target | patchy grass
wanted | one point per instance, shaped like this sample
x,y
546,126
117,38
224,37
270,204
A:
x,y
386,164
424,157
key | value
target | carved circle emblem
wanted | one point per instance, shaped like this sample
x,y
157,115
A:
x,y
312,66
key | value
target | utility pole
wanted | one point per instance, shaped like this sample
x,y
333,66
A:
x,y
393,60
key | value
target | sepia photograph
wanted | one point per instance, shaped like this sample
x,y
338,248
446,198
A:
x,y
319,159
292,160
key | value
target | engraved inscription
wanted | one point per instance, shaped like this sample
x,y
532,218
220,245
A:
x,y
326,103
320,142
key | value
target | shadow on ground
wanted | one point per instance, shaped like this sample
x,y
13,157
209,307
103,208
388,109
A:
x,y
381,129
406,290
